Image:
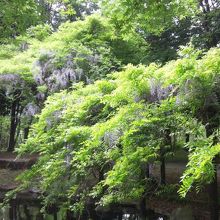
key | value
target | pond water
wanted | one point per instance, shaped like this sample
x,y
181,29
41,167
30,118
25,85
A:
x,y
32,211
28,212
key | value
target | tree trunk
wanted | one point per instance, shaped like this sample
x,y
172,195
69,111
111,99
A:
x,y
147,173
11,143
92,214
19,111
120,217
55,215
213,194
213,187
26,131
207,5
142,212
162,171
145,213
69,215
12,211
168,142
39,217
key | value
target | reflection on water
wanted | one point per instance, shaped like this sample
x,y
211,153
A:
x,y
33,212
24,212
135,217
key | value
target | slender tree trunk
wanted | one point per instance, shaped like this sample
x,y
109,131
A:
x,y
13,211
120,217
207,5
147,173
39,217
213,193
70,215
18,121
187,138
27,129
162,171
1,132
55,215
145,213
11,143
92,214
168,142
142,212
213,187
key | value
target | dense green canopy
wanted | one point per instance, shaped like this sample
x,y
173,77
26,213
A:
x,y
102,136
153,16
43,63
108,89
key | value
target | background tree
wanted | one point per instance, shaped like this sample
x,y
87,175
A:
x,y
166,25
17,16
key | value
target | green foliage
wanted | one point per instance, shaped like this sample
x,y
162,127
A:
x,y
152,16
95,141
168,192
89,45
4,127
17,16
82,51
100,129
200,168
40,32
